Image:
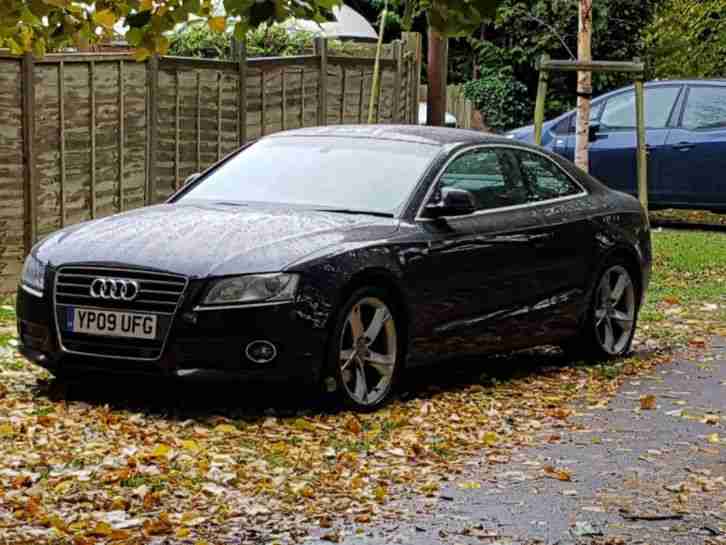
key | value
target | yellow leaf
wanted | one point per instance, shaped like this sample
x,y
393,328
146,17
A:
x,y
106,18
647,402
141,54
380,493
472,485
225,428
6,429
490,438
162,45
714,438
218,24
102,529
182,532
161,451
190,444
146,5
556,473
57,3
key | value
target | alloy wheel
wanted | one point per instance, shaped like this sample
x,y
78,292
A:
x,y
367,352
615,310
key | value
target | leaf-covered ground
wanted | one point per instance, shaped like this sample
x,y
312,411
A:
x,y
132,461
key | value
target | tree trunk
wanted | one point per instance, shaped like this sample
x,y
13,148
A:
x,y
584,86
436,106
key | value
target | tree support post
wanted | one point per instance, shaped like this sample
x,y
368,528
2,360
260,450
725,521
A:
x,y
636,68
539,108
642,157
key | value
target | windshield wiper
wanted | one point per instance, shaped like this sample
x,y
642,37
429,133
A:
x,y
352,211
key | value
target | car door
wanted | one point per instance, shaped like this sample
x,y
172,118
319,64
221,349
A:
x,y
613,152
565,253
477,273
693,168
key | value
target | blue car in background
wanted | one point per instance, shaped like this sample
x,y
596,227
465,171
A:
x,y
685,136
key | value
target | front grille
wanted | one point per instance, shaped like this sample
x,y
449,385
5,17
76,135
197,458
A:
x,y
159,294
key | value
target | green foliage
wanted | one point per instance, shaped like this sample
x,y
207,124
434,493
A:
x,y
40,25
525,29
502,100
198,40
688,39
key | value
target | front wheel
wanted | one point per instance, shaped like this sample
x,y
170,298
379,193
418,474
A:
x,y
610,324
367,349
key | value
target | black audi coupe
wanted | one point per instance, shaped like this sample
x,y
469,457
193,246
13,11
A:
x,y
344,256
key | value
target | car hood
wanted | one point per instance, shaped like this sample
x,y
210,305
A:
x,y
200,240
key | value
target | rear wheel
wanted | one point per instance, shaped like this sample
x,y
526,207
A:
x,y
610,324
367,350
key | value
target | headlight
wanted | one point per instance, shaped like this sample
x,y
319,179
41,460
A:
x,y
510,135
33,273
253,288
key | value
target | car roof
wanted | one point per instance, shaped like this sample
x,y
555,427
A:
x,y
717,81
418,134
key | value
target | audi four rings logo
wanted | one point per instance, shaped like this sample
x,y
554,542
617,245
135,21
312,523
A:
x,y
114,288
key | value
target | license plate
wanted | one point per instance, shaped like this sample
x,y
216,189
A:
x,y
111,323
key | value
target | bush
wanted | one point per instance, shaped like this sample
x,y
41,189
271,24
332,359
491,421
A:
x,y
502,100
688,39
198,40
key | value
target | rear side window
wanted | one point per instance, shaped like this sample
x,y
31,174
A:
x,y
485,173
706,108
619,112
544,179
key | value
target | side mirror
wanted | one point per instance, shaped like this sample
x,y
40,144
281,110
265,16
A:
x,y
593,130
191,178
453,202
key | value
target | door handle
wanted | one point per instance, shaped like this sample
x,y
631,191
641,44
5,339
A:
x,y
683,146
648,149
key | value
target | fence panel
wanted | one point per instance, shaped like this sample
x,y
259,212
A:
x,y
12,216
100,133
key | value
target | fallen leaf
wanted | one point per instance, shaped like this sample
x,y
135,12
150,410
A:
x,y
648,402
556,473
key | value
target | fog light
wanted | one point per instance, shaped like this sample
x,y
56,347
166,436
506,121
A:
x,y
261,351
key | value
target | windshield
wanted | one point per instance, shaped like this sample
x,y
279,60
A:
x,y
323,172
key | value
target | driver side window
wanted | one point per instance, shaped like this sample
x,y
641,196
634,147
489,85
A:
x,y
487,174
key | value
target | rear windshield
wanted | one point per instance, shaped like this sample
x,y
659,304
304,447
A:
x,y
325,172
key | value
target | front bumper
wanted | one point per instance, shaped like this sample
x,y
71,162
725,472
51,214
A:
x,y
210,340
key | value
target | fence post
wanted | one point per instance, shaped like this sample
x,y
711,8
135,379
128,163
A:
x,y
242,88
413,44
398,77
321,50
30,184
152,75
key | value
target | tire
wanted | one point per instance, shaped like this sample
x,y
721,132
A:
x,y
366,351
609,326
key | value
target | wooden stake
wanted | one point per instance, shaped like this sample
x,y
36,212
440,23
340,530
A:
x,y
263,104
539,108
642,152
302,97
342,95
199,121
396,102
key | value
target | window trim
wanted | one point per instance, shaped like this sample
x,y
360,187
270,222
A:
x,y
689,88
419,217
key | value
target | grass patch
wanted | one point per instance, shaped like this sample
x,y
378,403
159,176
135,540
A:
x,y
688,267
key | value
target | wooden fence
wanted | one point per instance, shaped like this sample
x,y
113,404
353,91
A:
x,y
456,104
87,135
